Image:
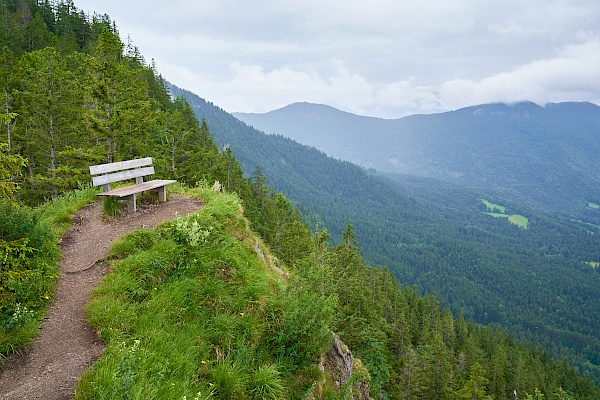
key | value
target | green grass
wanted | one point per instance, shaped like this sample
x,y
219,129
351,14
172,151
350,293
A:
x,y
516,219
190,309
493,207
519,220
593,206
498,211
111,206
57,213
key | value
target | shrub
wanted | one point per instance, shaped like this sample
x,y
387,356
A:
x,y
28,272
303,333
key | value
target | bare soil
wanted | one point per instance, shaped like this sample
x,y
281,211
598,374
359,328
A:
x,y
67,345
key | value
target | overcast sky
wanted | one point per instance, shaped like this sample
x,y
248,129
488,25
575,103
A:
x,y
384,58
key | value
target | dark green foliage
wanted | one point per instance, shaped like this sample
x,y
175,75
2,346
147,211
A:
x,y
415,350
83,97
307,315
28,272
10,166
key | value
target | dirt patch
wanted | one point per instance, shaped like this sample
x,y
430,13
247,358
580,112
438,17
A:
x,y
67,345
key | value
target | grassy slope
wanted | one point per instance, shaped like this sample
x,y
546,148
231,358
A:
x,y
192,309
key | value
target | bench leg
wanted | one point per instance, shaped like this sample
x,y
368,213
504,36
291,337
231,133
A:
x,y
131,206
162,194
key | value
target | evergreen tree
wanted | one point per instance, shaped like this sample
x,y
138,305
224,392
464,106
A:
x,y
47,102
7,65
474,388
10,165
118,104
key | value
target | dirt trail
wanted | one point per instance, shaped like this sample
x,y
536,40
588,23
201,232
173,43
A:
x,y
67,345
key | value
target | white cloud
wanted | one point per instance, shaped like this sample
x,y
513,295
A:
x,y
409,95
572,75
381,57
251,88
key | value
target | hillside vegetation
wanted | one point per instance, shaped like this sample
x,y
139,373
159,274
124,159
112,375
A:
x,y
534,283
196,307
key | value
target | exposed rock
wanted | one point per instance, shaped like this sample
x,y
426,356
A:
x,y
339,361
339,364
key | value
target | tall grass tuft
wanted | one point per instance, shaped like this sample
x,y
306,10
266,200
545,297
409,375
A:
x,y
266,383
57,212
111,206
229,380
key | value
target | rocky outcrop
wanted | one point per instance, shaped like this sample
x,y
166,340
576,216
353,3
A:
x,y
339,361
340,366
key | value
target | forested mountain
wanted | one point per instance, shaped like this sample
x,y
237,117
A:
x,y
199,305
435,235
543,157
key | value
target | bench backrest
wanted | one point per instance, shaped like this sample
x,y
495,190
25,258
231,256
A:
x,y
127,170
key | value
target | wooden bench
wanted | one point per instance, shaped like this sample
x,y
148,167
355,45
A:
x,y
128,170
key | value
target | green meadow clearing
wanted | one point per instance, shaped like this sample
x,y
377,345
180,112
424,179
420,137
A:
x,y
492,207
593,206
498,211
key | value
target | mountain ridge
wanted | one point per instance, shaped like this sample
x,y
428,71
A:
x,y
539,156
302,105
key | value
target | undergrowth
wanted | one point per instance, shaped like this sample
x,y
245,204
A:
x,y
29,256
191,310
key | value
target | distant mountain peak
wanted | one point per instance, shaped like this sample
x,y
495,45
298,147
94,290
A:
x,y
523,149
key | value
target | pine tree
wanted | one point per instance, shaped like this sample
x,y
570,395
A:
x,y
10,165
474,388
7,66
47,100
118,104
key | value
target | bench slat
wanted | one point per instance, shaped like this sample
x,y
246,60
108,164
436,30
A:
x,y
121,176
138,188
117,166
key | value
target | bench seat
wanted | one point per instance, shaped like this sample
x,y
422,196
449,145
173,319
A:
x,y
137,188
130,192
